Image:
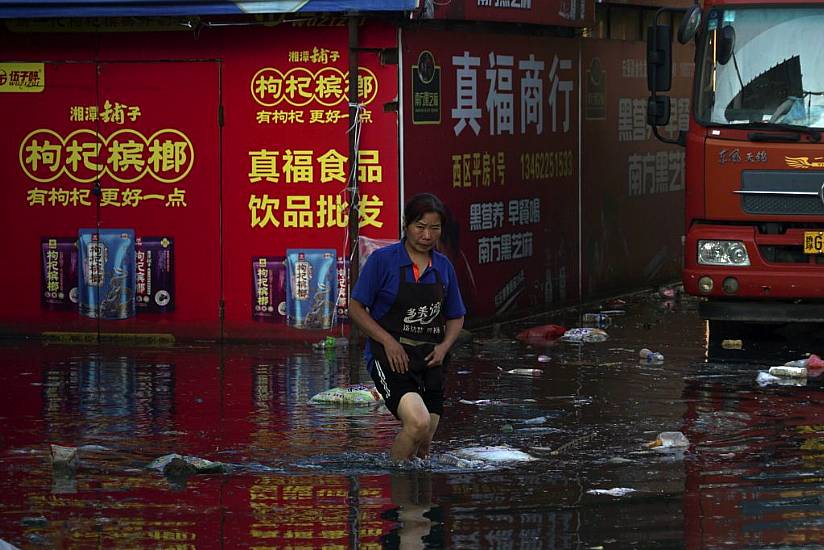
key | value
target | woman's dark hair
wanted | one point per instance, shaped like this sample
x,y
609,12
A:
x,y
421,204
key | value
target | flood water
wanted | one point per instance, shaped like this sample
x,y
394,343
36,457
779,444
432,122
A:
x,y
302,475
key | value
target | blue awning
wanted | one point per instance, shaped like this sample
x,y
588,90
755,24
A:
x,y
120,8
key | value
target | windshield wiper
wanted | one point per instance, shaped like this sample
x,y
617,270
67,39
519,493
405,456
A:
x,y
815,135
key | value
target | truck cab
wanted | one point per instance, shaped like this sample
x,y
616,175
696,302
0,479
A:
x,y
754,227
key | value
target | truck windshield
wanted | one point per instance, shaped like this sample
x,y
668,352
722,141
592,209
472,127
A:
x,y
762,64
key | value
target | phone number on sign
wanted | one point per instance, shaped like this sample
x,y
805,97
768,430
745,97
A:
x,y
546,165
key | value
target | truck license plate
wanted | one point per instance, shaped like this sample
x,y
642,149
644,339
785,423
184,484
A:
x,y
814,242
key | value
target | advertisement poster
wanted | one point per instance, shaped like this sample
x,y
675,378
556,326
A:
x,y
288,163
245,158
643,190
497,142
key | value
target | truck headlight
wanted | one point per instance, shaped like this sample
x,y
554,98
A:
x,y
722,253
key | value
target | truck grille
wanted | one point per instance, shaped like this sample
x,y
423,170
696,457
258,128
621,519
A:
x,y
791,193
788,255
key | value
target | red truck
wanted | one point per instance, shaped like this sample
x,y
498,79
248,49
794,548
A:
x,y
754,243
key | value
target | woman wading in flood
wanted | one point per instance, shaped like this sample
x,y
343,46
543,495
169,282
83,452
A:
x,y
407,301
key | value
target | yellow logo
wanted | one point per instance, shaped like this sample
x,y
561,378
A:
x,y
804,162
22,77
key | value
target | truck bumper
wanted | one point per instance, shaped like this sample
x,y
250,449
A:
x,y
761,311
770,282
765,292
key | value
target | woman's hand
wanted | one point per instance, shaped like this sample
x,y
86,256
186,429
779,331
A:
x,y
398,360
437,356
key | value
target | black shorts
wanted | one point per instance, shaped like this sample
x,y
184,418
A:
x,y
393,385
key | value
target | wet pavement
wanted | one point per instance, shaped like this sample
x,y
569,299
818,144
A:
x,y
299,475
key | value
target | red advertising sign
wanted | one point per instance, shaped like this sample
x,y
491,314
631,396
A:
x,y
286,169
564,13
491,127
111,151
193,197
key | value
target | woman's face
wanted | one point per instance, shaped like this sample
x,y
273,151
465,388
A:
x,y
423,235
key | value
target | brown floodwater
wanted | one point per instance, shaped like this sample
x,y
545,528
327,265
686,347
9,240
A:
x,y
300,475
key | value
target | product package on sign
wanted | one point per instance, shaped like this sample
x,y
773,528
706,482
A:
x,y
58,277
342,306
155,274
312,288
269,289
107,273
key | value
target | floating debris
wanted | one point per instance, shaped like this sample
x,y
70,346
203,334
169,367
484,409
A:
x,y
530,372
669,440
616,492
789,372
499,453
585,335
64,459
482,402
195,464
355,394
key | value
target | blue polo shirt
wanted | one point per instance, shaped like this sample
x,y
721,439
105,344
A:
x,y
377,284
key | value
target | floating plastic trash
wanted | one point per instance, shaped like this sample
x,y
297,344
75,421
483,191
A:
x,y
767,379
530,372
541,335
495,401
587,335
199,465
64,458
330,342
789,372
500,453
356,394
651,357
668,440
452,460
616,492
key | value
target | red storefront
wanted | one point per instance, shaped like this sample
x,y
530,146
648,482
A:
x,y
189,176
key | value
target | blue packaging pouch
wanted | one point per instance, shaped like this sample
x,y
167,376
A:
x,y
311,288
106,273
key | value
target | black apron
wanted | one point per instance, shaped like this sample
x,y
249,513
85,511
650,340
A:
x,y
416,319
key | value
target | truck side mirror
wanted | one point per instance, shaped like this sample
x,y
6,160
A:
x,y
689,24
726,45
658,110
659,58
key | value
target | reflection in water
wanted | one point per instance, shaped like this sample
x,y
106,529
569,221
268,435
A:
x,y
412,494
304,475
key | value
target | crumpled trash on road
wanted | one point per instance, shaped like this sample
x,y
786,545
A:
x,y
355,394
615,492
587,335
194,464
670,440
